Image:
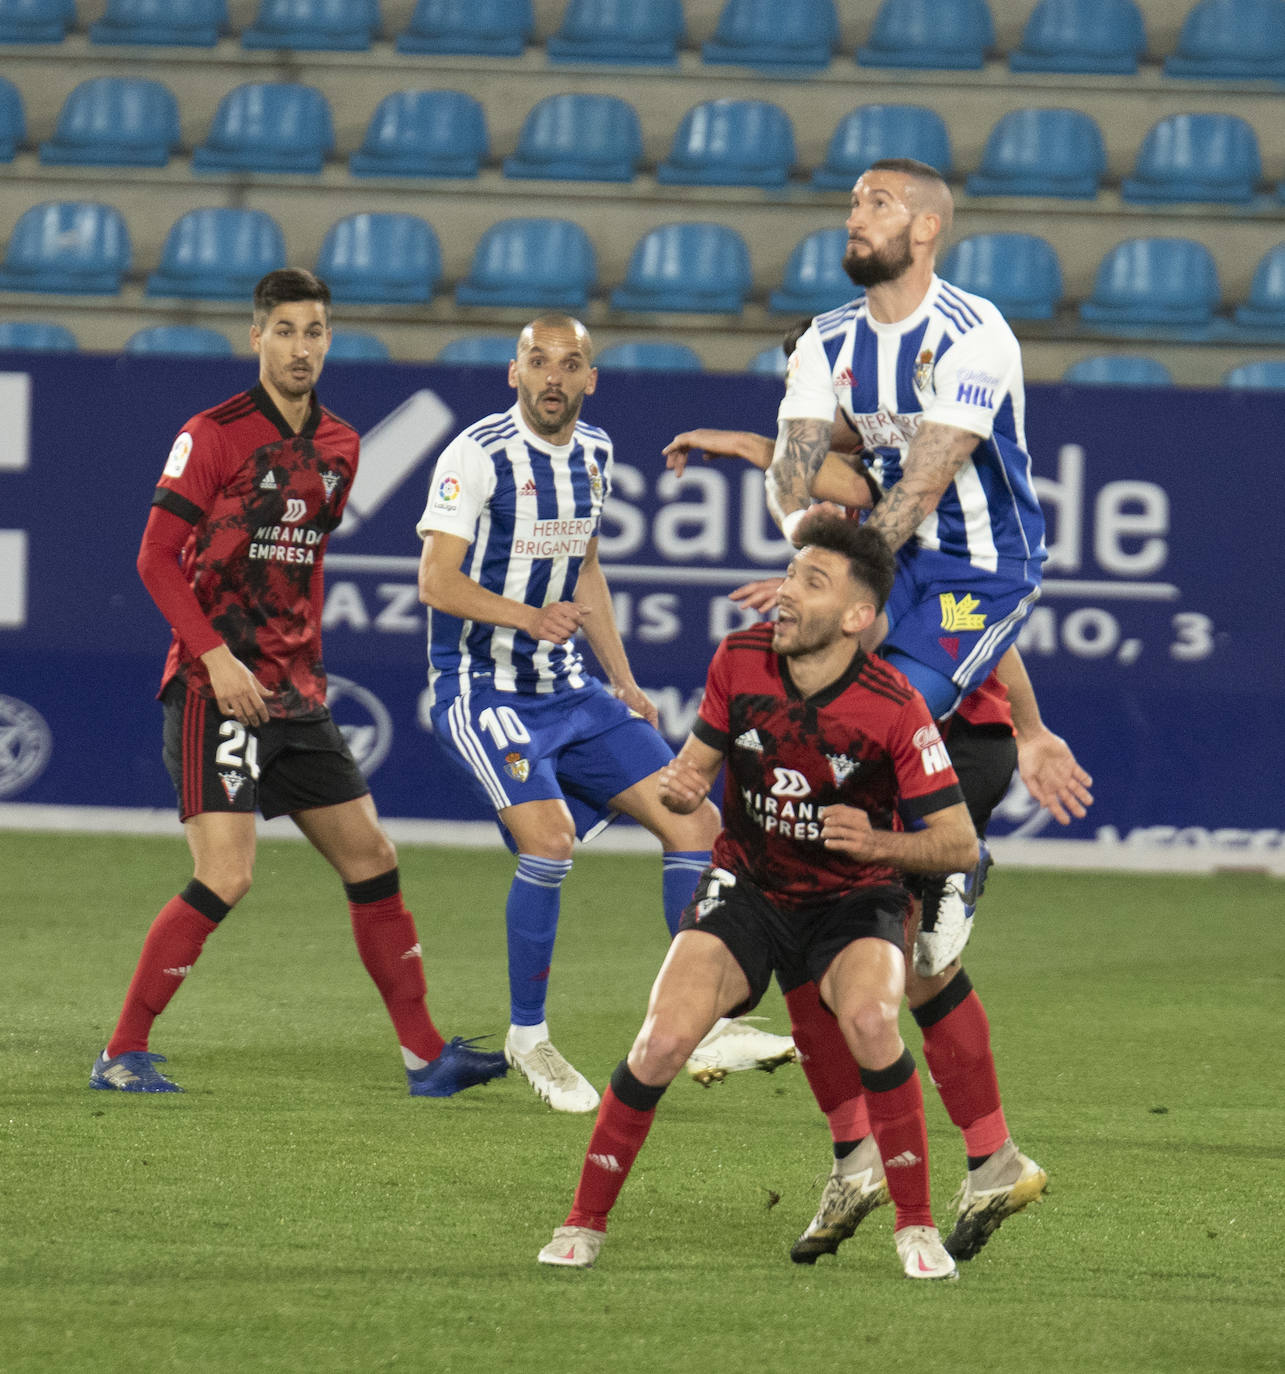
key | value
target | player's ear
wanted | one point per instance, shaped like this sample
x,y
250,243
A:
x,y
513,373
256,334
592,384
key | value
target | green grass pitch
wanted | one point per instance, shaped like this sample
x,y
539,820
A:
x,y
296,1210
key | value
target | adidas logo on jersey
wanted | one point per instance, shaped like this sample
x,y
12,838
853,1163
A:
x,y
529,489
749,740
608,1162
907,1159
181,972
844,377
269,483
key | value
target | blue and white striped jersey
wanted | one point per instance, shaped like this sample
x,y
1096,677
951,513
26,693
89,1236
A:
x,y
956,362
529,510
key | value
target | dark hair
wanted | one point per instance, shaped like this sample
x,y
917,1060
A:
x,y
907,166
870,560
288,284
797,331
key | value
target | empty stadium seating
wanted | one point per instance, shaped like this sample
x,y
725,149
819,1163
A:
x,y
482,28
690,266
1118,369
765,34
730,143
950,34
1265,308
637,32
115,121
36,21
1154,283
648,356
170,340
578,137
169,23
479,350
871,132
1100,36
356,346
1211,157
531,262
268,126
218,254
1020,273
814,277
69,248
377,258
1233,40
13,121
423,134
1266,375
334,25
770,361
1040,152
37,336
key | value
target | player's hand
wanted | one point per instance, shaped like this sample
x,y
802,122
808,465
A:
x,y
682,787
717,443
638,702
1053,777
757,596
237,692
846,829
558,621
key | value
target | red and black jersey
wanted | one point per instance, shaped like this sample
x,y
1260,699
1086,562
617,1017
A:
x,y
867,740
262,502
986,704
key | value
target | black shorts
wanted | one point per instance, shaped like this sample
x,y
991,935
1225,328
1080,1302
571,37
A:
x,y
797,945
218,764
985,758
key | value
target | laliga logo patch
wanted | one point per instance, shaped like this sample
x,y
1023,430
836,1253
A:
x,y
446,498
26,743
363,720
518,768
179,455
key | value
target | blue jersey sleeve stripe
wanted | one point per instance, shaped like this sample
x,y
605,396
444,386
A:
x,y
969,312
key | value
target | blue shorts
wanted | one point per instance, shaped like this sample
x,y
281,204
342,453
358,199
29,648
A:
x,y
953,618
583,747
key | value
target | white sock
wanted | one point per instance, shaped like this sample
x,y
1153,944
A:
x,y
523,1039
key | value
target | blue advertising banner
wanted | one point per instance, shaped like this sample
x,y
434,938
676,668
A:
x,y
1156,650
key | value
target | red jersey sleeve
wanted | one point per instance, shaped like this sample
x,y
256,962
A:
x,y
712,719
926,780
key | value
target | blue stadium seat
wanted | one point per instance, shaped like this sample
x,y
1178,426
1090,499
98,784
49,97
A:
x,y
1020,273
1235,40
168,23
767,35
1206,157
115,121
485,28
950,34
184,340
314,25
373,258
36,21
650,357
1118,369
687,267
67,247
814,277
271,126
218,254
730,143
1265,308
37,336
638,32
872,132
357,346
1154,282
578,138
479,350
531,262
769,362
1267,375
423,134
1105,37
1042,153
13,121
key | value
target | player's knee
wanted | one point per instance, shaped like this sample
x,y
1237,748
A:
x,y
868,1024
552,841
659,1052
229,881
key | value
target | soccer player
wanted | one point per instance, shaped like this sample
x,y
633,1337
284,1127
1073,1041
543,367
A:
x,y
825,749
232,556
510,570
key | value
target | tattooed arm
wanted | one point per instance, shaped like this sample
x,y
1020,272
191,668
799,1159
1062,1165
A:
x,y
936,454
801,446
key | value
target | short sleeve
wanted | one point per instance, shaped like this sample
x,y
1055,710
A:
x,y
712,719
463,481
974,377
194,471
809,381
926,780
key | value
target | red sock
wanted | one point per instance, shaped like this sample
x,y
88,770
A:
x,y
957,1046
831,1071
389,948
618,1135
897,1118
172,946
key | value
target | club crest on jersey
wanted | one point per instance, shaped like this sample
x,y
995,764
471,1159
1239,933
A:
x,y
329,480
518,768
842,767
961,614
595,478
924,370
231,784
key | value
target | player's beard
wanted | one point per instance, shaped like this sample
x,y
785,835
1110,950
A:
x,y
806,636
540,422
879,265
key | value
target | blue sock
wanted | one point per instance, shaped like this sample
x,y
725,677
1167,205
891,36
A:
x,y
531,919
678,876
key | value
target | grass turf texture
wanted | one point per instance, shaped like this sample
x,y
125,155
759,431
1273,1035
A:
x,y
296,1210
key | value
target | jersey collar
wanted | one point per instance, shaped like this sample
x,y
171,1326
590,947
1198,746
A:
x,y
265,403
827,694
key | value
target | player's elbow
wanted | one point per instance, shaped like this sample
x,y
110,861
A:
x,y
962,844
